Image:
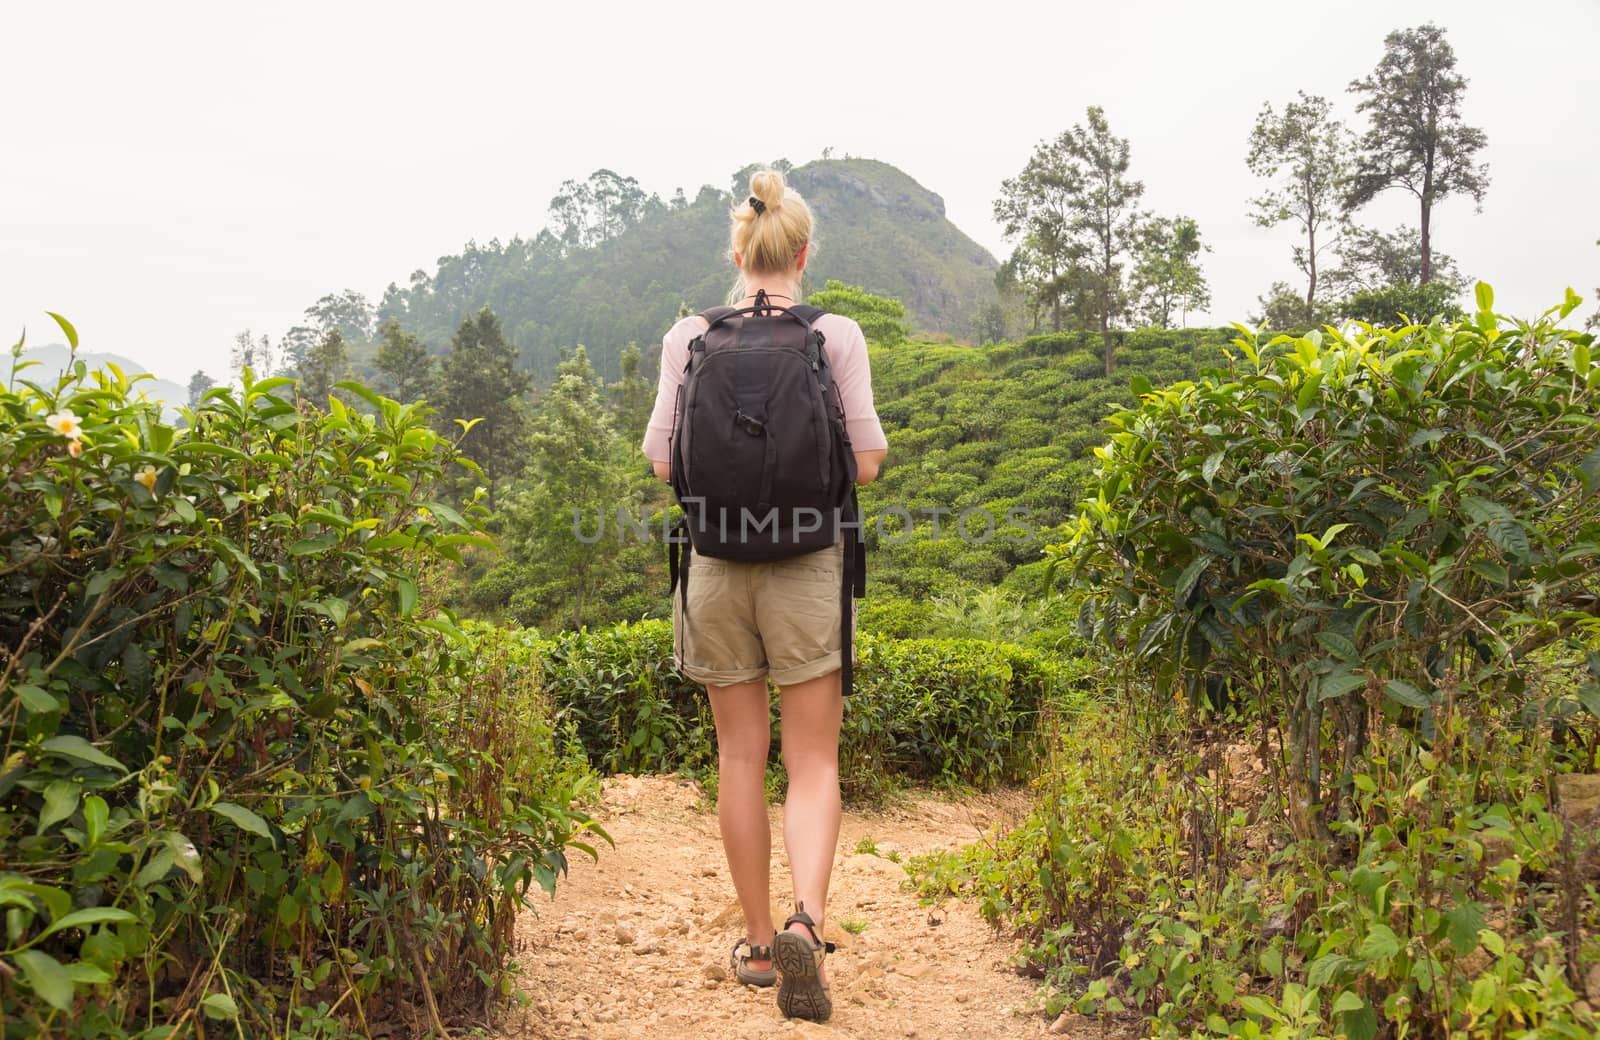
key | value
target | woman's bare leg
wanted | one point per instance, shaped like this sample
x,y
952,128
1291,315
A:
x,y
744,734
812,713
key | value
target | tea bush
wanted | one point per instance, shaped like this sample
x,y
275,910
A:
x,y
252,776
1348,521
951,712
1150,882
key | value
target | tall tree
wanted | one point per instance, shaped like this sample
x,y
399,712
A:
x,y
295,346
1035,207
573,465
252,353
632,396
1417,139
199,383
1075,209
1167,276
349,312
584,214
1106,220
1308,154
479,379
324,365
404,362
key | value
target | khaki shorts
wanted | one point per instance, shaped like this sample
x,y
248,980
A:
x,y
749,620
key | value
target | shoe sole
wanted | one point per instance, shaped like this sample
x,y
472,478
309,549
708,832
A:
x,y
800,990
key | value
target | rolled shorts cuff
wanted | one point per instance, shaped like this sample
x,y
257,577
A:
x,y
723,677
813,669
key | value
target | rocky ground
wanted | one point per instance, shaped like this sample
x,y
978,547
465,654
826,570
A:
x,y
637,944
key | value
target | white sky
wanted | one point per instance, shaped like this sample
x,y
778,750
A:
x,y
173,173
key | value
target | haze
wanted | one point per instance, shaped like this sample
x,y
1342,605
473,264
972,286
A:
x,y
173,174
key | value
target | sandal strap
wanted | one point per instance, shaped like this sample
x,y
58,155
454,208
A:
x,y
757,953
801,917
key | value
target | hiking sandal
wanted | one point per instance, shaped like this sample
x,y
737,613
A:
x,y
740,963
801,991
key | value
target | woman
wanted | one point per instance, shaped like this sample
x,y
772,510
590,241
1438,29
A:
x,y
748,621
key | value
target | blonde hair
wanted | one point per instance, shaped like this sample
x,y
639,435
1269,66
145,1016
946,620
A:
x,y
769,240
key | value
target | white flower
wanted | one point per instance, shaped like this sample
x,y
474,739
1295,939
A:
x,y
65,423
147,477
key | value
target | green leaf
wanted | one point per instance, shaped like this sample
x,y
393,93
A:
x,y
1340,646
1348,1001
1405,693
1589,467
72,746
1258,1006
47,977
60,802
1589,697
66,327
157,868
1213,463
88,916
1339,684
1380,944
220,1005
95,816
1140,385
1361,1023
185,510
37,700
1491,572
243,818
407,591
1485,295
360,391
184,854
1189,579
318,543
1461,927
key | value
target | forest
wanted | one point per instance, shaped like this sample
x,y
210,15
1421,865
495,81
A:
x,y
1289,631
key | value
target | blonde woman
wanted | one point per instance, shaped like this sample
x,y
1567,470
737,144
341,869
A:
x,y
739,623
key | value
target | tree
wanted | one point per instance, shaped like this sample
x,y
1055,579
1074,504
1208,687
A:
x,y
1371,260
573,465
1417,139
882,319
1035,207
1308,153
1074,207
989,323
295,346
324,365
199,383
349,312
585,214
1106,219
404,362
478,379
1282,308
1167,276
254,354
632,396
1399,303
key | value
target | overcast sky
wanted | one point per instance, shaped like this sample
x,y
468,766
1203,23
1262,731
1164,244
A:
x,y
173,173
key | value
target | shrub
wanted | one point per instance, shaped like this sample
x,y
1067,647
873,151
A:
x,y
1393,518
951,712
250,771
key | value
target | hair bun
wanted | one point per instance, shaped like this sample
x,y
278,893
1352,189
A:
x,y
768,186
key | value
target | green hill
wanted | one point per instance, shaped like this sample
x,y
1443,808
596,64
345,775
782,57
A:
x,y
876,228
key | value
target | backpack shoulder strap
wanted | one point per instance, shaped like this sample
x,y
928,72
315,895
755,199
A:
x,y
807,313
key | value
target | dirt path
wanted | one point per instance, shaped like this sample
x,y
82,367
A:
x,y
637,944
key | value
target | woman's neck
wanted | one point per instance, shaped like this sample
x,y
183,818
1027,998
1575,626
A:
x,y
785,291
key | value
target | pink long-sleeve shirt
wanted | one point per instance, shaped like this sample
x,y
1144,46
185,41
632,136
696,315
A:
x,y
847,354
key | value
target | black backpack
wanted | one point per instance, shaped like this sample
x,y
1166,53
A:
x,y
761,461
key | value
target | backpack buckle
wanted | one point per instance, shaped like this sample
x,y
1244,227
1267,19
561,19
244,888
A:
x,y
753,426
